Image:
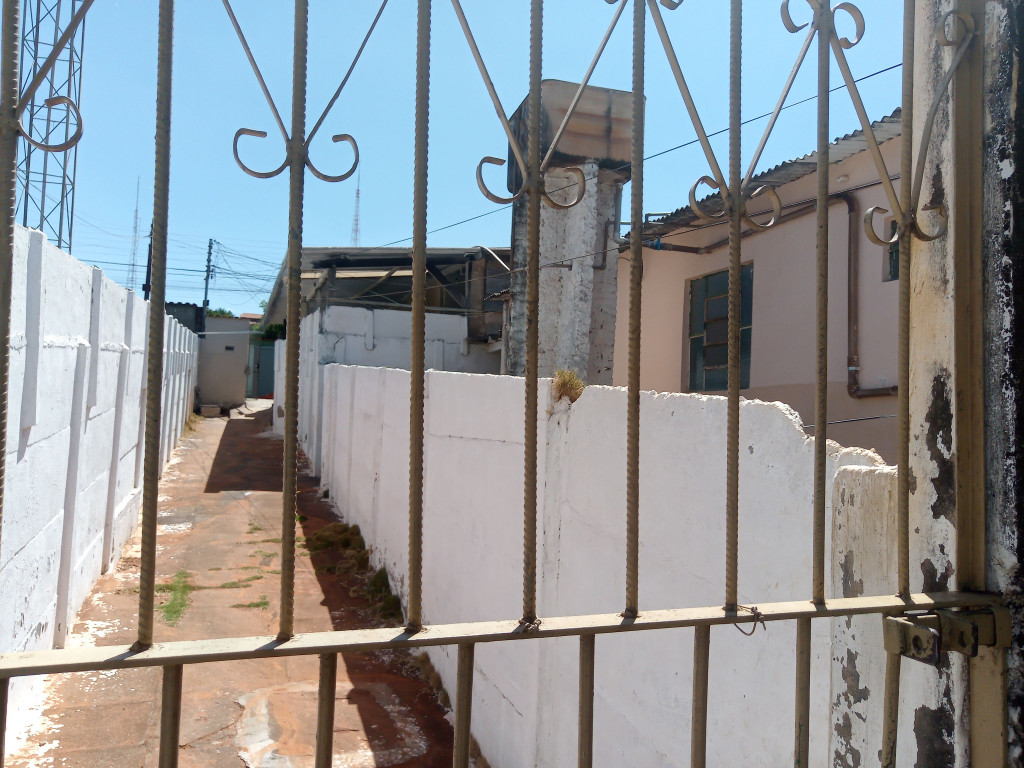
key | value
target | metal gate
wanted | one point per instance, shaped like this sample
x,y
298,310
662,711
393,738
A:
x,y
916,625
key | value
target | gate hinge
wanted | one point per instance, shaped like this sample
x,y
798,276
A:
x,y
921,636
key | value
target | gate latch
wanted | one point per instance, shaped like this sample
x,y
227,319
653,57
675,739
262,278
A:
x,y
921,636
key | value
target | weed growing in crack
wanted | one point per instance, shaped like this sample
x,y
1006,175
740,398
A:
x,y
178,590
262,604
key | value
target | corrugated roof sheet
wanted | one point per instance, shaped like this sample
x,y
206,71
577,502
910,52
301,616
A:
x,y
842,148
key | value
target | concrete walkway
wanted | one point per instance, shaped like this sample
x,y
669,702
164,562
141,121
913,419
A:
x,y
217,562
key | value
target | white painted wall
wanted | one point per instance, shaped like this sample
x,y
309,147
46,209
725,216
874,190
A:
x,y
76,410
224,361
524,708
371,337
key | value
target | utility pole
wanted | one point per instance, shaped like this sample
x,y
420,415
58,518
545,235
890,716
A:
x,y
206,288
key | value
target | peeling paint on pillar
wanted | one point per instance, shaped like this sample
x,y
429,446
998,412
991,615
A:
x,y
939,439
1003,217
935,733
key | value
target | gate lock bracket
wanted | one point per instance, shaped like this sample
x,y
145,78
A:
x,y
921,636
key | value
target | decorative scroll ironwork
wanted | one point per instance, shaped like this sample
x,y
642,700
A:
x,y
513,143
26,97
307,140
906,221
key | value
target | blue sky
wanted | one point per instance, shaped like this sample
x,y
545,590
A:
x,y
215,93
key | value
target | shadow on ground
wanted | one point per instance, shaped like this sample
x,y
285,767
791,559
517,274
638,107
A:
x,y
401,716
236,466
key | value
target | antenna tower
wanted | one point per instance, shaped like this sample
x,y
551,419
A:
x,y
354,239
46,180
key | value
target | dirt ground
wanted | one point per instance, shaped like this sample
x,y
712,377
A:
x,y
217,570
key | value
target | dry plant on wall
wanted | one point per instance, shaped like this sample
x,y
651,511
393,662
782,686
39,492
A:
x,y
567,384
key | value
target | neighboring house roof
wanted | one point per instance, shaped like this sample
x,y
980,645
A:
x,y
315,260
842,148
251,316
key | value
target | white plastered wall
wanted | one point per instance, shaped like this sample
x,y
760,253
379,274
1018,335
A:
x,y
524,708
76,410
370,337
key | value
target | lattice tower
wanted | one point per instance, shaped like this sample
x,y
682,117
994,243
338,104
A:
x,y
46,180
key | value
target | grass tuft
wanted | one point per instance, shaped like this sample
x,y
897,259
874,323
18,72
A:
x,y
262,604
240,582
336,536
567,384
179,589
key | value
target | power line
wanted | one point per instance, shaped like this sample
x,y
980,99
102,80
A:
x,y
651,157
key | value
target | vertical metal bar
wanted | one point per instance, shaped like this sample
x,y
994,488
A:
x,y
325,711
891,709
585,741
155,349
463,705
802,718
170,716
5,686
419,289
732,472
699,708
296,189
821,306
534,182
802,714
906,203
636,272
10,42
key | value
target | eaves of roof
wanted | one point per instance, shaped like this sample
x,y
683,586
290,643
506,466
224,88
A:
x,y
844,147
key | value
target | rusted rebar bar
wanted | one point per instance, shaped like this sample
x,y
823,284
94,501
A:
x,y
296,190
155,347
732,450
419,289
636,270
533,198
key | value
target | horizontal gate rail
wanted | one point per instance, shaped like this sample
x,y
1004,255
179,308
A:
x,y
348,641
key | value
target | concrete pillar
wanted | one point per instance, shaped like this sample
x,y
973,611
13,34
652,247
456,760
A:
x,y
1003,318
578,276
578,252
967,403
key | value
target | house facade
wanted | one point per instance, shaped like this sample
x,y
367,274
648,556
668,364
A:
x,y
685,286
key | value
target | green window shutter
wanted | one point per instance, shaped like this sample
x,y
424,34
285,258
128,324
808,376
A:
x,y
709,330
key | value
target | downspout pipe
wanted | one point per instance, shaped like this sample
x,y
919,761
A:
x,y
853,388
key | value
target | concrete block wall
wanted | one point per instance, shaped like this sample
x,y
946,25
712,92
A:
x,y
76,410
524,708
